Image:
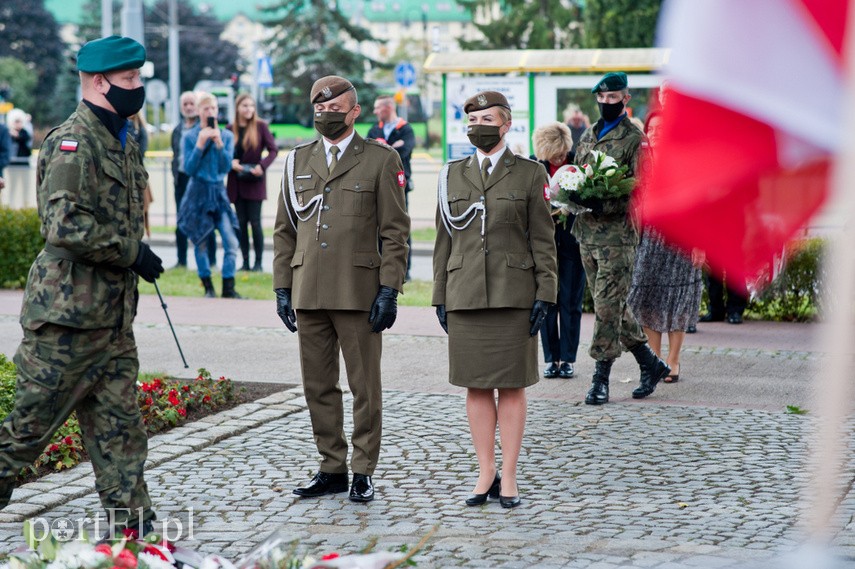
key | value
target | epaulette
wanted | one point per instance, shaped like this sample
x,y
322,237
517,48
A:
x,y
376,142
526,158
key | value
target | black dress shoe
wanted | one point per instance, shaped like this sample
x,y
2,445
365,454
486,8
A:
x,y
362,490
565,371
691,329
710,317
598,394
734,318
323,483
551,371
493,492
509,501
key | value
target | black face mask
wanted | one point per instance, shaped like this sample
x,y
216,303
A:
x,y
610,111
331,125
484,137
126,102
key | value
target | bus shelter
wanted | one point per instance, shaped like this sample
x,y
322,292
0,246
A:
x,y
539,85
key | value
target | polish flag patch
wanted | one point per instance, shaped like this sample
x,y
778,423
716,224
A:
x,y
546,192
68,145
402,180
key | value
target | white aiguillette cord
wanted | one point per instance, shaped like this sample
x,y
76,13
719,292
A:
x,y
445,211
316,203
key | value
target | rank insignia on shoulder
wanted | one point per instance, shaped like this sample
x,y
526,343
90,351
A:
x,y
402,180
68,145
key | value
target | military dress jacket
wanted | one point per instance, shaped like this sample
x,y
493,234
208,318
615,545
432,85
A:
x,y
514,263
90,202
612,227
353,239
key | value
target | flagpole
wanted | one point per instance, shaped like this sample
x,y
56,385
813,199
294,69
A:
x,y
834,390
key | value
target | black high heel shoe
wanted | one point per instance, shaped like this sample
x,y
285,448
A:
x,y
493,492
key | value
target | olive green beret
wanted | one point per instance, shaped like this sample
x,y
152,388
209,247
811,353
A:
x,y
110,54
485,100
328,88
612,81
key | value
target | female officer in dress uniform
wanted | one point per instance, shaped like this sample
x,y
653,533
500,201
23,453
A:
x,y
494,279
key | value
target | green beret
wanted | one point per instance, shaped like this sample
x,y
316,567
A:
x,y
328,88
485,100
112,53
612,81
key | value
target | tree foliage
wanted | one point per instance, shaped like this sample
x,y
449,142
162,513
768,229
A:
x,y
525,24
312,39
17,81
620,23
203,55
30,34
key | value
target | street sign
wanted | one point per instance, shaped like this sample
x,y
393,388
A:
x,y
405,74
264,71
156,91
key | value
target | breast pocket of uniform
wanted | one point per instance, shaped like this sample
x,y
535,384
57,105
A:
x,y
117,200
511,207
458,202
305,190
357,197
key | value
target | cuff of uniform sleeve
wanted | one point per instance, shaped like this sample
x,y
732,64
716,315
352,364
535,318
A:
x,y
438,296
132,250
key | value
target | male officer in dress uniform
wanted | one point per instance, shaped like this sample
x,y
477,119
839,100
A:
x,y
340,195
607,241
78,352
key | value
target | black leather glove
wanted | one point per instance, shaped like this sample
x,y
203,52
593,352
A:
x,y
147,265
442,317
284,308
538,315
384,309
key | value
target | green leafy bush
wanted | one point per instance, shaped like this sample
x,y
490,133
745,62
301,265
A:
x,y
20,242
794,295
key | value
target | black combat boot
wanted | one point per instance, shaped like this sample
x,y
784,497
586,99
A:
x,y
209,287
599,392
229,288
653,369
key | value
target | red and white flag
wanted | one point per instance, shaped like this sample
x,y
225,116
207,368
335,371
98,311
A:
x,y
752,118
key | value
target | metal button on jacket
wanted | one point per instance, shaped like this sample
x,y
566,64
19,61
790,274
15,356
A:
x,y
325,226
326,208
327,189
323,245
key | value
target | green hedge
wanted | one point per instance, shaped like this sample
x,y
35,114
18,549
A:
x,y
20,242
794,295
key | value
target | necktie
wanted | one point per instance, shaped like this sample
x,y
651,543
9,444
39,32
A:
x,y
334,159
485,171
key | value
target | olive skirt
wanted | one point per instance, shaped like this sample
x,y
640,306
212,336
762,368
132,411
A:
x,y
491,348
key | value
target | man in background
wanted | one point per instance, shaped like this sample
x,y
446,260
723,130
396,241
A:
x,y
397,133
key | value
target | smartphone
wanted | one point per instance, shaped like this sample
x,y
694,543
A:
x,y
211,122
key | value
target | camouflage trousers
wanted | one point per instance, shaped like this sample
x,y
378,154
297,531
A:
x,y
93,372
608,270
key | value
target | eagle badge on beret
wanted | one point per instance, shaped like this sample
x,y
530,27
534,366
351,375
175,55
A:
x,y
482,100
603,86
327,92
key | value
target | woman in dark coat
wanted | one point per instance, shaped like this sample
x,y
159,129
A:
x,y
247,184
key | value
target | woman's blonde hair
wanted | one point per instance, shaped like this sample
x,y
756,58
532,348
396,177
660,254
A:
x,y
203,97
552,141
251,140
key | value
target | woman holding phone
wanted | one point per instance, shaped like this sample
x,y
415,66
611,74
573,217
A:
x,y
207,151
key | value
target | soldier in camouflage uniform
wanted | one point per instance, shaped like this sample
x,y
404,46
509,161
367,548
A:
x,y
607,240
78,352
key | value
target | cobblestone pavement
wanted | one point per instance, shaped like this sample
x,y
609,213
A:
x,y
619,486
